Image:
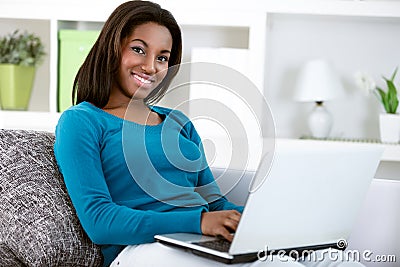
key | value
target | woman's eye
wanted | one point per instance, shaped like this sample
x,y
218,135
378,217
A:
x,y
137,50
163,58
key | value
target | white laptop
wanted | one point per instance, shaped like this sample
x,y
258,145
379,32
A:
x,y
308,199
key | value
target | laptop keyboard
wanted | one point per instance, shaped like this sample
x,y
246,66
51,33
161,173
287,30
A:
x,y
219,244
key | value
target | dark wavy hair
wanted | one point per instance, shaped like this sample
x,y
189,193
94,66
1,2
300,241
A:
x,y
95,77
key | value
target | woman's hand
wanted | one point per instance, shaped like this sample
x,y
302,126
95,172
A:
x,y
220,223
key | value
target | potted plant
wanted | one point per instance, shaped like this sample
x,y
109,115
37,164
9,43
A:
x,y
389,120
20,54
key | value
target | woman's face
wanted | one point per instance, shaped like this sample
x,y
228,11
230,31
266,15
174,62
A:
x,y
145,53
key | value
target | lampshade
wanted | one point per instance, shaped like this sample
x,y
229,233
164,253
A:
x,y
317,82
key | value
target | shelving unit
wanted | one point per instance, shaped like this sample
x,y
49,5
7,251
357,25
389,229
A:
x,y
389,167
254,25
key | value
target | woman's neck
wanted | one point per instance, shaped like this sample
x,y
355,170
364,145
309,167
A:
x,y
136,111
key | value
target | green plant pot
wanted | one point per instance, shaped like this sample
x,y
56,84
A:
x,y
15,86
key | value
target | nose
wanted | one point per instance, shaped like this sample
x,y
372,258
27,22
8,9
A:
x,y
148,65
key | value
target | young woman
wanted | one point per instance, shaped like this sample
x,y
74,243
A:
x,y
113,146
130,65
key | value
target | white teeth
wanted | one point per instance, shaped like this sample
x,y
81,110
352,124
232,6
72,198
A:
x,y
141,79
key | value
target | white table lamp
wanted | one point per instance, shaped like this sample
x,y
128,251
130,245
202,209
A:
x,y
318,82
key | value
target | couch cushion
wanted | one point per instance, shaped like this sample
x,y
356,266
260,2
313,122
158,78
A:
x,y
7,257
38,225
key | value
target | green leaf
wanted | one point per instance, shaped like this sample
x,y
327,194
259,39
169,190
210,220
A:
x,y
383,99
392,96
394,74
21,48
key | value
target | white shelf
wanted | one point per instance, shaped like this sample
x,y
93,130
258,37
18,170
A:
x,y
41,121
253,19
192,12
368,8
391,153
389,167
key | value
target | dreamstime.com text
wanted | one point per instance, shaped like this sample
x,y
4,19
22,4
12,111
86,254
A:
x,y
327,254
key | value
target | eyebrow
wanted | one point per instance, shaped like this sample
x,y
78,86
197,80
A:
x,y
146,45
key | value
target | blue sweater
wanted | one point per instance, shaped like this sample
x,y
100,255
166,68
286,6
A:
x,y
128,181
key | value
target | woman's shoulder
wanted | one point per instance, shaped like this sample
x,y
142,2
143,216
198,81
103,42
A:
x,y
161,109
177,116
79,115
83,110
172,113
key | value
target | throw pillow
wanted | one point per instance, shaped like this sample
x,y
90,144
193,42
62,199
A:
x,y
38,224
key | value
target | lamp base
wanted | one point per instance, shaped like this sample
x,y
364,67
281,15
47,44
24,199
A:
x,y
320,121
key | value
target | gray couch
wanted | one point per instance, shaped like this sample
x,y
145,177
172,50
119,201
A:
x,y
38,225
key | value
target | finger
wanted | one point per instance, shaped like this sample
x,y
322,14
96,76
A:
x,y
235,216
225,234
231,224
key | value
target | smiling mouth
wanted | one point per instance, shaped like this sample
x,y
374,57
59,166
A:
x,y
142,80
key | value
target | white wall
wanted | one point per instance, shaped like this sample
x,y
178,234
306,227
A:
x,y
352,44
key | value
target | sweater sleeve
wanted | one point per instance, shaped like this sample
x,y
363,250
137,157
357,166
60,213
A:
x,y
218,201
77,150
207,186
